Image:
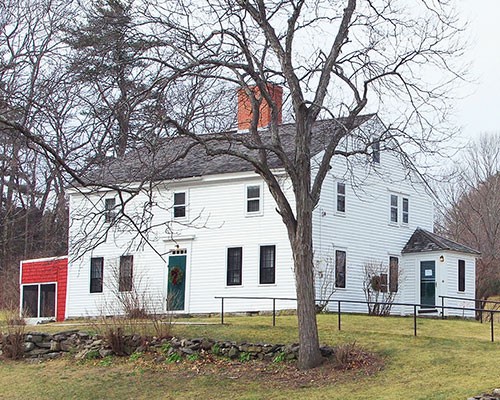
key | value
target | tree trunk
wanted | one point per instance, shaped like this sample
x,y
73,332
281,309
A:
x,y
309,353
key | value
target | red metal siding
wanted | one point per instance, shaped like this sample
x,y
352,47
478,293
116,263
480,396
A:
x,y
45,271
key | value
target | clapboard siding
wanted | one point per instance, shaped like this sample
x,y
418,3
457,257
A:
x,y
218,211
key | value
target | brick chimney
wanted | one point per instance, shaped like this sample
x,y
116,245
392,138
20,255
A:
x,y
245,107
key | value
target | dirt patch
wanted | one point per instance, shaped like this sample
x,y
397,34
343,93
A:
x,y
278,375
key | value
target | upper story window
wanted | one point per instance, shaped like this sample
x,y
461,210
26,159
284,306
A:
x,y
180,205
461,275
126,273
254,199
109,210
393,274
340,197
406,210
340,268
234,262
399,209
376,152
96,274
394,208
267,264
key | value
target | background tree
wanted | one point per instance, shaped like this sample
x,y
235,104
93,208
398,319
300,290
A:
x,y
472,215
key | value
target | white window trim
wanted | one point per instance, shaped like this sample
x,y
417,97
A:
x,y
261,200
90,276
39,284
275,265
186,201
337,198
242,259
111,213
344,249
400,197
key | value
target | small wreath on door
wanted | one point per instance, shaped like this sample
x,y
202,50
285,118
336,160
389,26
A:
x,y
175,276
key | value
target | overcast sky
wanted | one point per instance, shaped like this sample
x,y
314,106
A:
x,y
480,110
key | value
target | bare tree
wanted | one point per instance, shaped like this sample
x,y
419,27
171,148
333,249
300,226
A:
x,y
472,209
333,59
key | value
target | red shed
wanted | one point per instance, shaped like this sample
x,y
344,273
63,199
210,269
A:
x,y
43,285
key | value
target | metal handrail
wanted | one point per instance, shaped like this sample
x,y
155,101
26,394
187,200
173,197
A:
x,y
339,311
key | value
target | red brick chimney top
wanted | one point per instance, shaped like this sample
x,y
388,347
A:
x,y
245,107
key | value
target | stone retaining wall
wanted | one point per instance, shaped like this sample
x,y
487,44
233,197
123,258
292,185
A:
x,y
81,345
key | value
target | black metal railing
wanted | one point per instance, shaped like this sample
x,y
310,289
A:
x,y
340,302
482,302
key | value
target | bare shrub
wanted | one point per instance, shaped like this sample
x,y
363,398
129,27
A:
x,y
377,288
343,354
324,271
13,339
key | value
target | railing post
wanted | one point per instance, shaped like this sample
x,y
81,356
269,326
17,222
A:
x,y
274,312
442,307
222,311
340,325
492,327
414,320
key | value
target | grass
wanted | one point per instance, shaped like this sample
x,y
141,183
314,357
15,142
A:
x,y
450,359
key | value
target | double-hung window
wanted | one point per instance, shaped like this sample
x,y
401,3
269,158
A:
x,y
340,268
376,152
96,274
340,197
394,208
406,210
254,199
180,205
267,264
234,262
109,210
125,277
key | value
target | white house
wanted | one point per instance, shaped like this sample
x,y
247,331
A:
x,y
213,230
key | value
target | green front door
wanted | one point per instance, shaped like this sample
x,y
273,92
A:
x,y
428,283
176,291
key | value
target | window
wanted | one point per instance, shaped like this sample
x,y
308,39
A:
x,y
406,210
267,264
180,205
340,258
340,197
234,257
376,152
126,273
253,199
96,269
109,210
39,301
393,274
394,208
461,275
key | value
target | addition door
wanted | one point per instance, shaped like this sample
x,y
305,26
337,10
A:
x,y
176,278
428,283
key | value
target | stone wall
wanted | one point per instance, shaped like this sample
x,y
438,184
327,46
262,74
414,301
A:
x,y
81,345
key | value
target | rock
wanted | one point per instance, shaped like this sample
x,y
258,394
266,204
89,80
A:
x,y
206,344
55,346
105,352
38,352
51,356
496,392
160,359
67,345
187,350
34,338
28,346
233,353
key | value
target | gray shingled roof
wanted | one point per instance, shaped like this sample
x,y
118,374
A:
x,y
423,241
181,157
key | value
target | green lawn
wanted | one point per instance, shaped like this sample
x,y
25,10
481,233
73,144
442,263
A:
x,y
450,359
